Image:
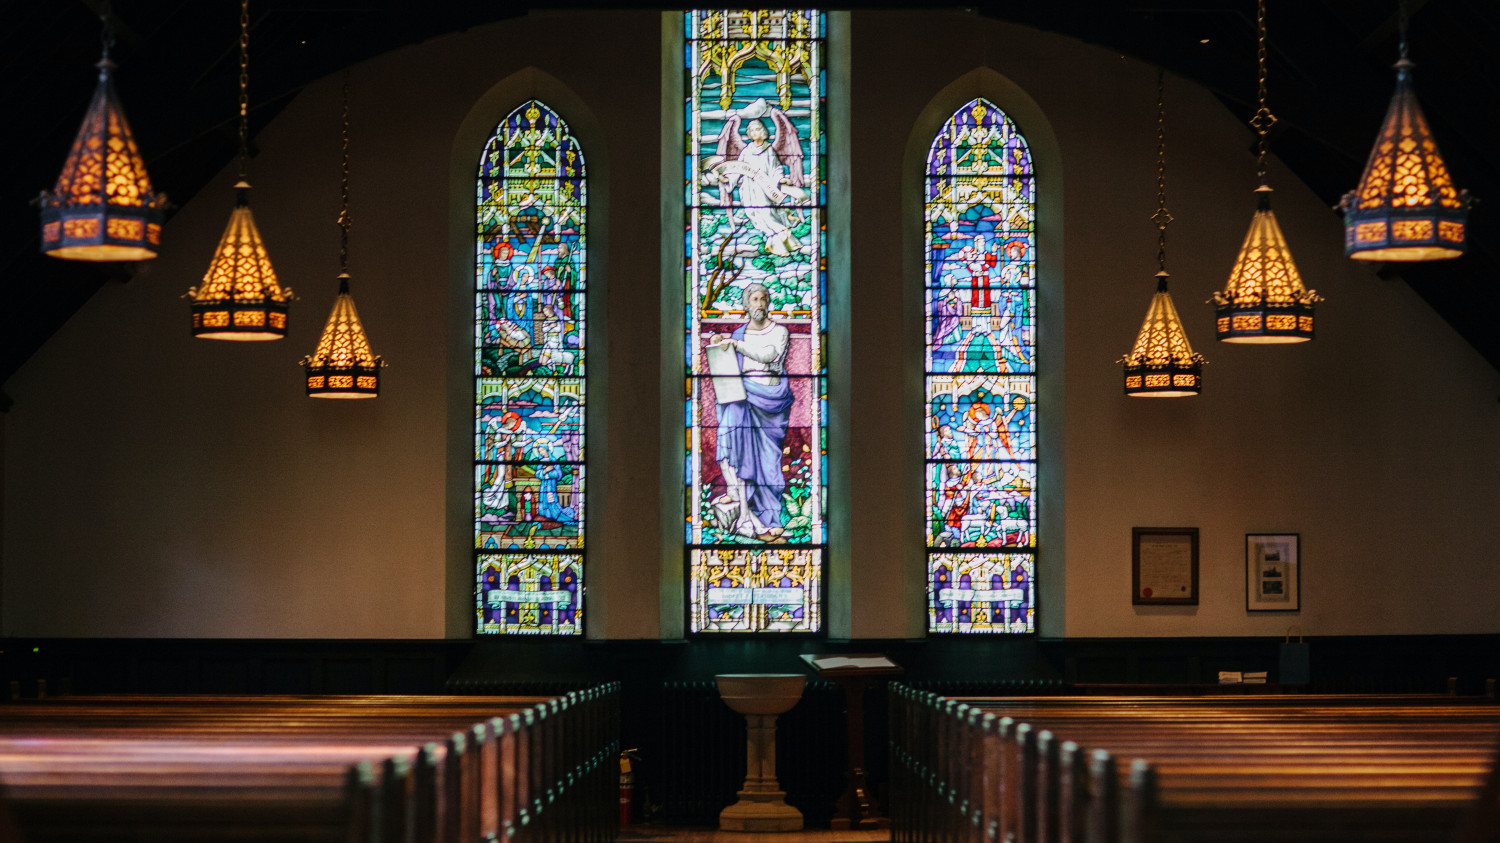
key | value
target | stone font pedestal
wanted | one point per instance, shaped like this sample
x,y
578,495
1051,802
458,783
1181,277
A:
x,y
762,803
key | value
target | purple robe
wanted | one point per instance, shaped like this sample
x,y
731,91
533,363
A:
x,y
751,436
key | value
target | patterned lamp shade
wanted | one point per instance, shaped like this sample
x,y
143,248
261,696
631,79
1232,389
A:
x,y
1406,207
239,298
1264,301
343,366
1162,364
103,207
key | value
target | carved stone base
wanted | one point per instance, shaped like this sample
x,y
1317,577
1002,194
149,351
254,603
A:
x,y
760,697
760,811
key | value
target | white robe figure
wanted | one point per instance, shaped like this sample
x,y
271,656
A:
x,y
766,171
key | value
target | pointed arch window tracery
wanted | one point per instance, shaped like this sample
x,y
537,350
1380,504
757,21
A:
x,y
530,314
980,387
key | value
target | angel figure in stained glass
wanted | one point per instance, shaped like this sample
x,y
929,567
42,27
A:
x,y
513,442
984,430
765,171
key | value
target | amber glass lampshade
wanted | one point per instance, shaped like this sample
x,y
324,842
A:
x,y
239,298
1406,207
343,366
1162,364
1264,301
103,207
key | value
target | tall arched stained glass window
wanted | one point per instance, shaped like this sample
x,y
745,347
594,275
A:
x,y
529,315
756,187
981,389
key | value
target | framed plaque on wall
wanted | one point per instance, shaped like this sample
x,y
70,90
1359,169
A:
x,y
1273,572
1164,566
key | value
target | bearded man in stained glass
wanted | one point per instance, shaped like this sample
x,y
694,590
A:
x,y
752,429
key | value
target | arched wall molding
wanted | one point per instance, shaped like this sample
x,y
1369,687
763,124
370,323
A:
x,y
1047,161
476,128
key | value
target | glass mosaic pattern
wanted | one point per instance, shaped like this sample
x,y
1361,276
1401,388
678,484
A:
x,y
529,388
756,277
981,389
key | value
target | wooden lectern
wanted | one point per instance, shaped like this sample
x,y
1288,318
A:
x,y
853,674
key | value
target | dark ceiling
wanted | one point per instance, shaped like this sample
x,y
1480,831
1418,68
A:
x,y
1329,70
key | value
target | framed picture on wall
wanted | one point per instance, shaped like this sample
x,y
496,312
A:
x,y
1164,566
1273,572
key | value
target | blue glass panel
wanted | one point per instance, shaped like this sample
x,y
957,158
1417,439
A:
x,y
981,417
768,590
981,592
530,593
529,332
528,505
980,305
975,329
523,334
755,278
981,504
521,419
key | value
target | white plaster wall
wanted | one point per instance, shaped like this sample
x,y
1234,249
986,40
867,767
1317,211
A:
x,y
156,485
1374,442
166,486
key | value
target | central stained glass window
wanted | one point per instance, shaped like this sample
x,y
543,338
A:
x,y
980,214
756,278
529,299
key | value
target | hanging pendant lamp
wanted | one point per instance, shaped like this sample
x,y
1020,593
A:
x,y
240,298
343,365
1406,207
103,207
1162,363
1264,301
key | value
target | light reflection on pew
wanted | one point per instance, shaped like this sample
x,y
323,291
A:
x,y
347,769
1211,769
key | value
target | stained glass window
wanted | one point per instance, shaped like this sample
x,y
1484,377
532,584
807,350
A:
x,y
529,315
980,211
756,184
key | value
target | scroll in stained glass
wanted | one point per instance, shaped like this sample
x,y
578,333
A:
x,y
755,174
981,388
530,306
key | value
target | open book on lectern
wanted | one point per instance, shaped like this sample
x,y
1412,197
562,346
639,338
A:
x,y
847,662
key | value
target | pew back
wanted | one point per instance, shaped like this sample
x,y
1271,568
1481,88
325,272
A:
x,y
352,769
1142,769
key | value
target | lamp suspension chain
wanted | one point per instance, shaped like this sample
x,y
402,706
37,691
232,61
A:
x,y
107,30
1162,217
1401,21
345,220
1264,119
244,86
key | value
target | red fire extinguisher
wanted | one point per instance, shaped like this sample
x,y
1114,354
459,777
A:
x,y
627,788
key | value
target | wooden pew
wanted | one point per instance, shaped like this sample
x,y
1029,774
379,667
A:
x,y
313,768
212,735
1214,768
